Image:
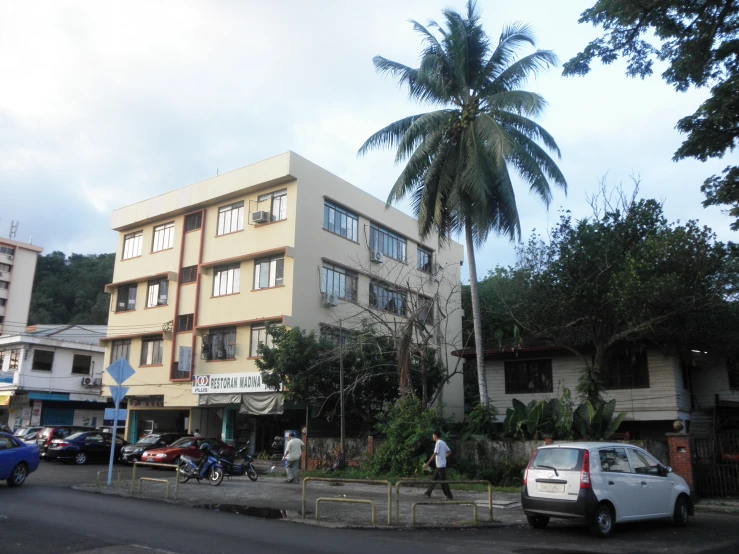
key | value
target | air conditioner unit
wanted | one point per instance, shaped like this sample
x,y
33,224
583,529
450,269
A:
x,y
87,381
329,300
260,217
10,257
92,381
97,382
376,256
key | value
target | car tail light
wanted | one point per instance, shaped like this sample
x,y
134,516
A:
x,y
585,472
61,444
526,473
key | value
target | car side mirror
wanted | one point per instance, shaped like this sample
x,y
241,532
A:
x,y
667,469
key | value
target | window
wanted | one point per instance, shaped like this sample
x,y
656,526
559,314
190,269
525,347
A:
x,y
338,282
120,349
335,335
6,443
258,336
3,301
193,222
340,222
184,323
5,267
2,355
126,298
528,376
226,280
614,460
564,459
644,464
151,351
686,375
163,237
7,250
3,285
277,207
426,310
268,272
189,274
219,344
42,360
81,364
15,356
627,370
733,371
387,242
424,258
157,293
132,245
230,219
384,297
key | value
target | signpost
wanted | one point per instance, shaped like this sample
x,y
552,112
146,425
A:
x,y
120,371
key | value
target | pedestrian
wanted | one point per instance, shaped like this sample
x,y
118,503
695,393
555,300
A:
x,y
441,452
197,433
293,453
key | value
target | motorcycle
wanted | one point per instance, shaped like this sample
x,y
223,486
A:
x,y
246,467
188,469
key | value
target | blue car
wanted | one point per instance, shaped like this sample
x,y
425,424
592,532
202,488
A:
x,y
17,459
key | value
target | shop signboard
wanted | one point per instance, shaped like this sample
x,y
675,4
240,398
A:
x,y
19,401
155,401
229,383
36,412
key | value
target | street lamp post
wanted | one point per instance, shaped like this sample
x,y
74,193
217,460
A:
x,y
341,384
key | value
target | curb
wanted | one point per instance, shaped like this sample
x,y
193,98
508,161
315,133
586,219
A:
x,y
717,508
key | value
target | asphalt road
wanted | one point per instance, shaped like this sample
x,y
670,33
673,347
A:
x,y
45,516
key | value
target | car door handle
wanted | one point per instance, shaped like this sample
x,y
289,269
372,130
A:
x,y
644,483
611,483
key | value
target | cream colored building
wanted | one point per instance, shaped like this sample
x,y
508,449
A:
x,y
17,270
201,269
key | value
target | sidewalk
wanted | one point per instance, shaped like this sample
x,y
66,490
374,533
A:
x,y
724,506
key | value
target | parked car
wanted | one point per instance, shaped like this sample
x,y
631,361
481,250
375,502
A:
x,y
132,452
27,434
188,446
4,428
48,434
83,447
601,484
17,459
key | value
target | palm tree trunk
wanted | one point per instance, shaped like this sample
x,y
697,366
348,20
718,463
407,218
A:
x,y
476,318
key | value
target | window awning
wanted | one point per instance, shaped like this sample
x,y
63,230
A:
x,y
254,403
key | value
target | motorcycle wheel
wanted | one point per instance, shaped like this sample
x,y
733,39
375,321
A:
x,y
252,473
183,473
215,476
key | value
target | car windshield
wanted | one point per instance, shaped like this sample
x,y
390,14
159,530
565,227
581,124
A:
x,y
182,443
21,432
75,436
45,432
150,439
557,458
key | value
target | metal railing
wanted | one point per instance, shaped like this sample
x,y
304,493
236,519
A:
x,y
416,482
457,502
165,481
151,464
358,482
117,472
347,501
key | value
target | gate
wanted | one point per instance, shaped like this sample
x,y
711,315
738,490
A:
x,y
716,466
57,416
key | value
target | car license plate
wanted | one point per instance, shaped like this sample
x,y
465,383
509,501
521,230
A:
x,y
551,487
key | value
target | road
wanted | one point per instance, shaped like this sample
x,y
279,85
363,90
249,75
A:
x,y
45,516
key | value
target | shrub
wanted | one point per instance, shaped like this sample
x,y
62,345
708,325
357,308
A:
x,y
506,473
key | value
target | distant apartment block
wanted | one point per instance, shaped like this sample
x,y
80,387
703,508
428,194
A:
x,y
17,270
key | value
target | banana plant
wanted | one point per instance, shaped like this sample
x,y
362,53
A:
x,y
524,421
597,423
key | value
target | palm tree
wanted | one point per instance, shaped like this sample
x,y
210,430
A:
x,y
459,156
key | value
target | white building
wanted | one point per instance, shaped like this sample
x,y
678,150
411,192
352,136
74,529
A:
x,y
17,269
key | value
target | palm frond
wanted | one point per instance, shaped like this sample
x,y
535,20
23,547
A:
x,y
420,128
515,36
388,137
517,101
529,128
516,74
540,157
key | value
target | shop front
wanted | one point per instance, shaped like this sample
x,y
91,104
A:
x,y
148,414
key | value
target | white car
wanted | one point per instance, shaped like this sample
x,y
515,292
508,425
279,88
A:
x,y
601,484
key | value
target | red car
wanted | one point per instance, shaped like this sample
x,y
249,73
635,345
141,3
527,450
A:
x,y
187,446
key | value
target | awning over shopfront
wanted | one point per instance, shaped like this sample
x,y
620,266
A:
x,y
253,403
245,389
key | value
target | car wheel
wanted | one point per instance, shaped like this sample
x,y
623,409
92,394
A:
x,y
80,458
18,475
538,522
603,521
680,515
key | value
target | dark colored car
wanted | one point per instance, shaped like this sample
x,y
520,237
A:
x,y
4,428
48,434
132,452
87,446
17,459
188,446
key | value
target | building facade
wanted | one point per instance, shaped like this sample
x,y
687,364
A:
x,y
201,270
17,270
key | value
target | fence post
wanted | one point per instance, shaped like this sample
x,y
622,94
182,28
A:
x,y
370,446
679,449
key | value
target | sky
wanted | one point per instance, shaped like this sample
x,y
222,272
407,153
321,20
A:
x,y
104,104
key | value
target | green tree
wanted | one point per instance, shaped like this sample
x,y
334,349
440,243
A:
x,y
699,41
459,157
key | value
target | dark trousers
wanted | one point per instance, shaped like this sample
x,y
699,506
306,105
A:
x,y
440,475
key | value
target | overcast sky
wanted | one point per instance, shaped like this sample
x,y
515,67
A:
x,y
103,104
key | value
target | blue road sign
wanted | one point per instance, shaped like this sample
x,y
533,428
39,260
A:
x,y
118,393
120,370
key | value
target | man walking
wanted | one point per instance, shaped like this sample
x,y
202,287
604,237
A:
x,y
441,451
293,453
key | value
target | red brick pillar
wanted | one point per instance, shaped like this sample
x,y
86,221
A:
x,y
681,459
304,457
370,446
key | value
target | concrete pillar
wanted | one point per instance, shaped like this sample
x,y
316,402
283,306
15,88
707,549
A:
x,y
370,446
304,457
681,459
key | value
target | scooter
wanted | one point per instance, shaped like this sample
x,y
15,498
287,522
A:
x,y
188,469
246,467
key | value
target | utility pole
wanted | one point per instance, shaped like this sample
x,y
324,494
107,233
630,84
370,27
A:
x,y
341,383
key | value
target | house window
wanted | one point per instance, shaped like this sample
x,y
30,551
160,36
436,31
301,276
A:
x,y
384,297
226,280
426,310
151,351
2,355
528,376
387,242
5,267
340,222
15,356
157,293
338,282
126,298
184,323
3,301
733,371
7,250
132,244
42,360
268,272
163,237
685,374
627,370
120,349
189,274
423,259
230,218
259,336
219,344
3,285
81,364
335,335
277,204
193,222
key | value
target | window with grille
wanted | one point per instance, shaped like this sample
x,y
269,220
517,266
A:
x,y
424,258
338,282
189,274
259,336
193,221
268,272
151,351
226,280
126,300
3,285
42,360
163,237
81,364
120,349
340,222
15,356
626,370
132,245
528,376
185,322
3,301
230,218
387,242
426,310
7,250
275,203
157,293
219,344
387,298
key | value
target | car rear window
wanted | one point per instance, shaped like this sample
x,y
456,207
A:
x,y
45,432
558,458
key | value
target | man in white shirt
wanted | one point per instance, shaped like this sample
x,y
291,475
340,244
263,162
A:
x,y
441,451
293,453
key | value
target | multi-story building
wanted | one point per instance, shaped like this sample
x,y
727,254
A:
x,y
17,270
200,270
